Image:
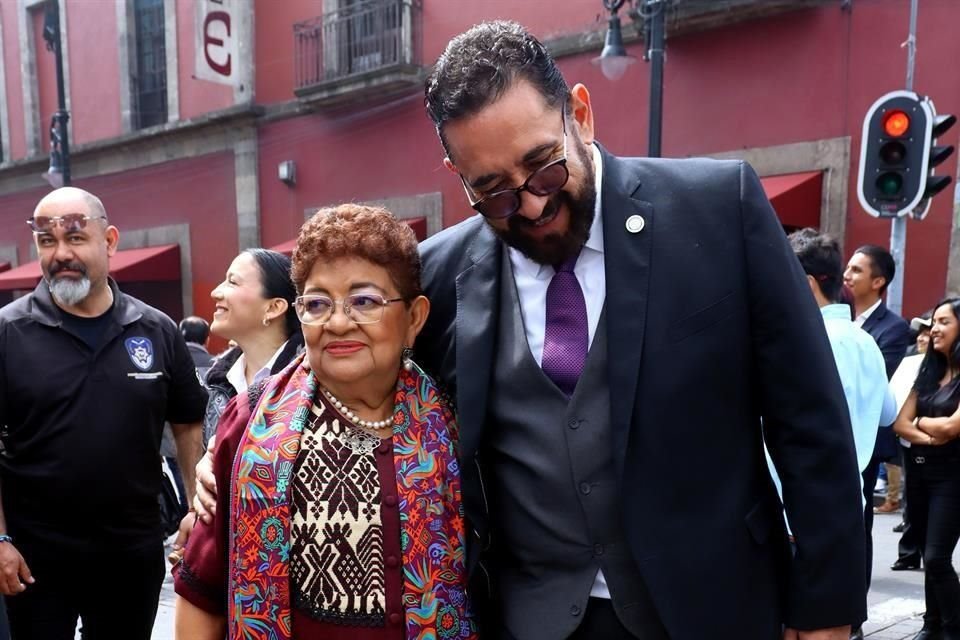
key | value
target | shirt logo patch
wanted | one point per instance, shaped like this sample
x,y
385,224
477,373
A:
x,y
140,351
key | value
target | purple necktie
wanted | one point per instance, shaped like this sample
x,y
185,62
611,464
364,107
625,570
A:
x,y
565,336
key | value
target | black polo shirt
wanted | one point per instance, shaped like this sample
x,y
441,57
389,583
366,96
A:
x,y
81,427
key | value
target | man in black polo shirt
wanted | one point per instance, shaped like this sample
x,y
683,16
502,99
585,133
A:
x,y
88,375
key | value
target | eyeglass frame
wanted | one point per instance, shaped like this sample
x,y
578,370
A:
x,y
343,303
58,221
562,161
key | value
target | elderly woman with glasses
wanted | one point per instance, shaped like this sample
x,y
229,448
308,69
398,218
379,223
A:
x,y
338,514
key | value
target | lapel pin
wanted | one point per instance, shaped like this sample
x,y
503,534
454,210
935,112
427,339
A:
x,y
635,224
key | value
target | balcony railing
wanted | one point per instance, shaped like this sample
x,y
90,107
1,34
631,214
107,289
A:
x,y
361,37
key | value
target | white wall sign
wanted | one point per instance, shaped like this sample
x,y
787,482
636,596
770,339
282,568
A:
x,y
216,41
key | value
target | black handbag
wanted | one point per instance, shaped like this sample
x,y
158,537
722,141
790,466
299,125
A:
x,y
171,511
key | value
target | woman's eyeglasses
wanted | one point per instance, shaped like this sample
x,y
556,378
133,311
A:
x,y
69,222
362,308
545,181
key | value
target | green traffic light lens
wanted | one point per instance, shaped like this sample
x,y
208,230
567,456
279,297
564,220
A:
x,y
890,183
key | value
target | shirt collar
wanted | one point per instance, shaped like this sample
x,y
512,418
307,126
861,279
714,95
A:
x,y
594,242
45,311
236,375
863,317
835,312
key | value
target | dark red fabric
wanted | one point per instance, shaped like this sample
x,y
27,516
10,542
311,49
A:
x,y
201,578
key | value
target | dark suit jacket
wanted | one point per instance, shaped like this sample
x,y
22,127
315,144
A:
x,y
711,328
892,335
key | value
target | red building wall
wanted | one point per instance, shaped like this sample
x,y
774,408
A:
x,y
11,70
94,71
204,197
798,77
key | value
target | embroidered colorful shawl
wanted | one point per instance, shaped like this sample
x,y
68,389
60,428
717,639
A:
x,y
431,514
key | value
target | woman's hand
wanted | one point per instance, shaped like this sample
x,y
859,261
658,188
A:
x,y
180,544
937,428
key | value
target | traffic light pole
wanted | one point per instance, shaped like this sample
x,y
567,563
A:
x,y
655,9
898,226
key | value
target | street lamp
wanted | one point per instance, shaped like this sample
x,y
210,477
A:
x,y
613,60
58,174
55,173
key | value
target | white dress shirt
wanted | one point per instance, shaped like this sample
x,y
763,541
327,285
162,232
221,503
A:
x,y
237,374
532,280
860,319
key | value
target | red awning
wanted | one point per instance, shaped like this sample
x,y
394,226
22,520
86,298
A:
x,y
4,266
795,197
149,264
286,248
419,226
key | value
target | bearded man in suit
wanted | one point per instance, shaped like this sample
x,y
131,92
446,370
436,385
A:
x,y
609,327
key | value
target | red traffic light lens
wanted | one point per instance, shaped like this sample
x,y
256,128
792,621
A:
x,y
895,123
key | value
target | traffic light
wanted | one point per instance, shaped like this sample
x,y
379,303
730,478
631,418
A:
x,y
894,153
898,154
938,153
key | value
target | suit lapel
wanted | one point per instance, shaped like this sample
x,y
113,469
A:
x,y
477,306
875,318
627,265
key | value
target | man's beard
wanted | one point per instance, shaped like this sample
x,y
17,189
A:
x,y
68,291
556,248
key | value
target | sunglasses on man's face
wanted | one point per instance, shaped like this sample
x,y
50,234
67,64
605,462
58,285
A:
x,y
69,222
545,181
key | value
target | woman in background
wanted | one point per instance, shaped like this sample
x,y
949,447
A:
x,y
930,421
254,309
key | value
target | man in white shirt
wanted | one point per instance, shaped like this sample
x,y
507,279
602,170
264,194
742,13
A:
x,y
859,360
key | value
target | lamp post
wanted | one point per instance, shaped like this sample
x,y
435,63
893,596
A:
x,y
614,60
58,174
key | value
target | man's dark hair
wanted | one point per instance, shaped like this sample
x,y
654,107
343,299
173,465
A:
x,y
882,264
195,330
820,257
480,65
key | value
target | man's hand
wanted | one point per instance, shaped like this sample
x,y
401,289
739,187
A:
x,y
205,500
179,545
834,633
14,573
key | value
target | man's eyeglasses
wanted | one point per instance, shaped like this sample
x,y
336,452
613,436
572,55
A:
x,y
69,222
545,181
362,308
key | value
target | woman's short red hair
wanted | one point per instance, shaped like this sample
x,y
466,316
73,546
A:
x,y
359,231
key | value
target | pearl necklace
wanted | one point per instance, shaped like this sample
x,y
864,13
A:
x,y
374,425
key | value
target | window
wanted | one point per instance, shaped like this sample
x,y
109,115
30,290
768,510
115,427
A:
x,y
370,36
150,79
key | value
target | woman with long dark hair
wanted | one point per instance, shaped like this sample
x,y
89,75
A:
x,y
930,421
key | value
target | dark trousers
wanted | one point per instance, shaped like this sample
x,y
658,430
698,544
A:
x,y
869,482
600,622
935,513
114,594
908,549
